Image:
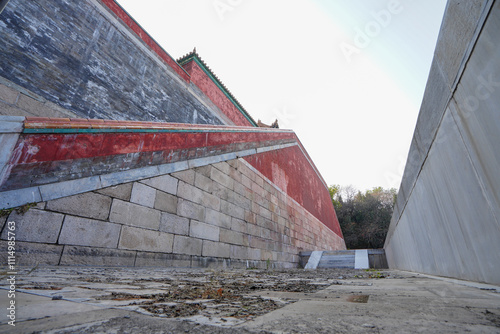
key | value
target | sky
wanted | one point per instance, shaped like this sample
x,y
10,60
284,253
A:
x,y
347,76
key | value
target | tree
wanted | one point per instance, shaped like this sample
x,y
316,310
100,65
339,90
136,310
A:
x,y
363,217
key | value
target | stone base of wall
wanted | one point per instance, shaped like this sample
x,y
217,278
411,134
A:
x,y
221,215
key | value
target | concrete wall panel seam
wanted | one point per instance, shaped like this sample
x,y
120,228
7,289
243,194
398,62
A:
x,y
480,181
488,4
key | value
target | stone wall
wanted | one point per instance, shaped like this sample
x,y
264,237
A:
x,y
91,58
223,214
447,218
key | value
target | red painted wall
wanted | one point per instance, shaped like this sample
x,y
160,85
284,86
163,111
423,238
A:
x,y
289,168
53,147
212,91
291,171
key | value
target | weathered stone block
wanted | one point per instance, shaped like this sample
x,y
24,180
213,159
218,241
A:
x,y
35,225
254,230
203,182
232,237
259,180
269,189
239,200
134,215
10,110
8,95
143,195
28,253
185,175
90,205
265,233
208,262
218,219
223,166
197,195
121,191
210,201
190,210
266,255
238,225
233,163
93,256
239,252
164,183
88,232
220,191
187,245
246,181
216,249
165,202
204,170
253,254
222,178
266,223
68,188
237,264
129,175
174,224
30,105
235,175
232,210
240,189
146,240
189,192
146,259
259,204
203,231
250,217
266,212
257,242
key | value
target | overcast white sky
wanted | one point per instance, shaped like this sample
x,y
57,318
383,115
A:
x,y
346,75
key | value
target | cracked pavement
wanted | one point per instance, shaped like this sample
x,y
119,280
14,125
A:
x,y
176,300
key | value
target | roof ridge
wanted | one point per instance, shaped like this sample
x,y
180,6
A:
x,y
193,54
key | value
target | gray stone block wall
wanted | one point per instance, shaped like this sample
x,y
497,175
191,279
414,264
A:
x,y
221,215
83,62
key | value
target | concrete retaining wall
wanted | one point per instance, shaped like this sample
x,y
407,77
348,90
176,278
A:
x,y
223,214
447,218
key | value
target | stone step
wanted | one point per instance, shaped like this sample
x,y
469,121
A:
x,y
337,261
355,259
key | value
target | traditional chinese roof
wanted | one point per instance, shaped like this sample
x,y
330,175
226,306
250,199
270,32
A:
x,y
194,56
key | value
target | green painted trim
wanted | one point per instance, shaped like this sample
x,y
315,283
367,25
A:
x,y
219,85
72,130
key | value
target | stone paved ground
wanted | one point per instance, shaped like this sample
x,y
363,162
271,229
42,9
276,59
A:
x,y
159,300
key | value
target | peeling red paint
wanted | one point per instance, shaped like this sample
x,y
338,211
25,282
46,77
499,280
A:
x,y
77,146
